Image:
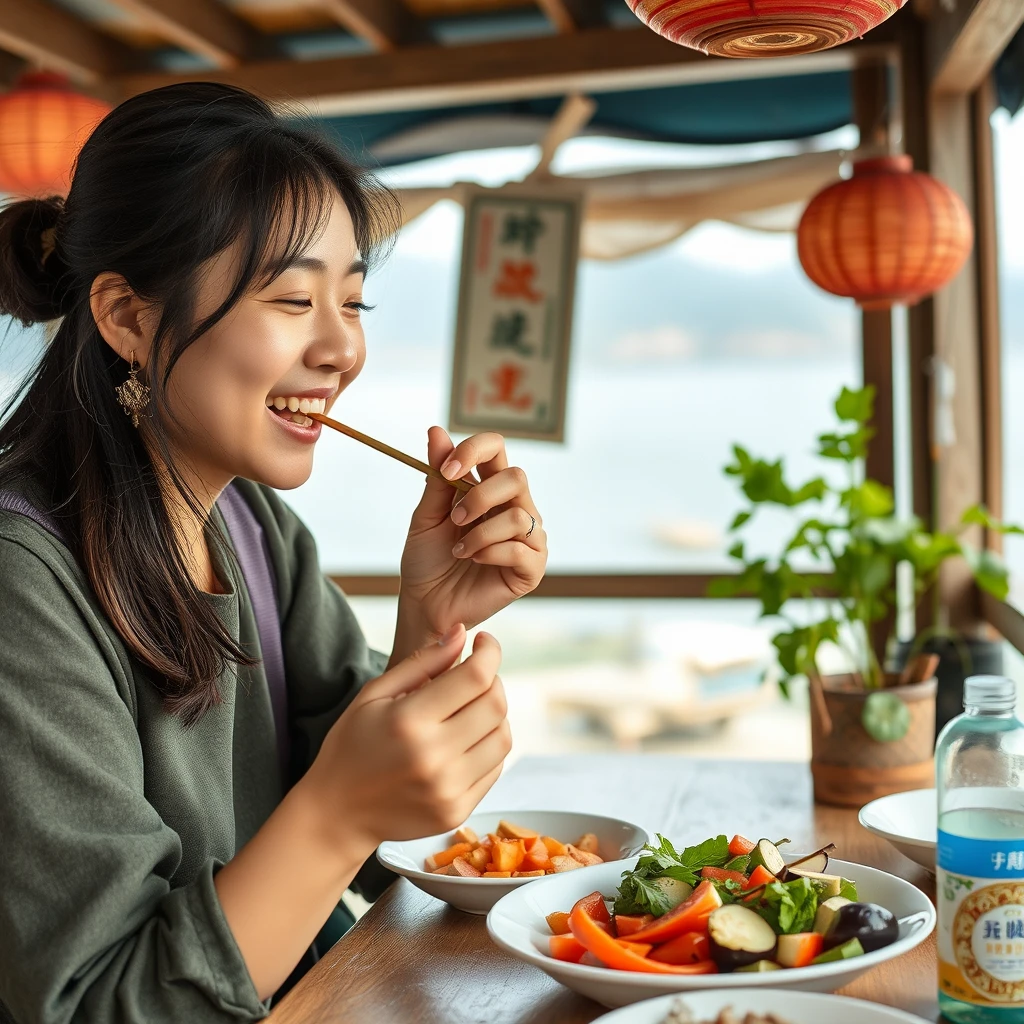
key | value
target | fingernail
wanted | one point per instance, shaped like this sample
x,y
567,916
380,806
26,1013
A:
x,y
458,549
451,470
453,632
458,515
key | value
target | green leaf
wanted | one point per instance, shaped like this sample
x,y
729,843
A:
x,y
871,499
885,717
978,515
789,907
856,406
637,895
848,890
736,551
741,518
990,572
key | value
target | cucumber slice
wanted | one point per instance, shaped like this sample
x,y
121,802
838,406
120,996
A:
x,y
828,911
844,952
674,889
766,855
760,967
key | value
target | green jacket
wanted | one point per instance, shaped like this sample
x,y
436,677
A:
x,y
113,817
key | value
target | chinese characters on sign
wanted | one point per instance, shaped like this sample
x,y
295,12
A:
x,y
514,323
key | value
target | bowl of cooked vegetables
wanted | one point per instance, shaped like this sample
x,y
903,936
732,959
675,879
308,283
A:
x,y
723,913
493,854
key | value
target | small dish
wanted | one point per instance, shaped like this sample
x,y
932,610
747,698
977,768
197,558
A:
x,y
793,1007
518,925
617,840
908,821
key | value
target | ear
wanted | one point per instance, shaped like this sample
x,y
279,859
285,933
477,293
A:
x,y
125,321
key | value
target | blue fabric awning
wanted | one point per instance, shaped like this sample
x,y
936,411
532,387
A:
x,y
711,113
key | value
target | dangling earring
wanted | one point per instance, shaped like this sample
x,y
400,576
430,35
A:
x,y
133,394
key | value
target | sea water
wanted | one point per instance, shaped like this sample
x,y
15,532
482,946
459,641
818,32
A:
x,y
979,763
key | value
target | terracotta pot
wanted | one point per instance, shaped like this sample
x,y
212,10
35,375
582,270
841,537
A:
x,y
849,767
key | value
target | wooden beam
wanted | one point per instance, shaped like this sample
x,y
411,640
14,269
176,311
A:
x,y
571,15
203,27
987,248
384,24
594,60
959,458
871,107
966,38
45,34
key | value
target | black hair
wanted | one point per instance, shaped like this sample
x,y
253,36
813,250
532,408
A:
x,y
167,180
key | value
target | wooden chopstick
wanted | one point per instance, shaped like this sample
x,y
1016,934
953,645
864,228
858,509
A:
x,y
358,435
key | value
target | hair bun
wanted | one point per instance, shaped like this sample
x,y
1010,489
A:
x,y
31,272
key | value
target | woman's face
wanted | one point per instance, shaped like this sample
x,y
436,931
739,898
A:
x,y
298,339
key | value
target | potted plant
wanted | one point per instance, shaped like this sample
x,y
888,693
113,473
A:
x,y
872,731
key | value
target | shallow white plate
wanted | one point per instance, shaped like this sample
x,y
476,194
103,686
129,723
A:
x,y
793,1007
617,840
907,821
517,924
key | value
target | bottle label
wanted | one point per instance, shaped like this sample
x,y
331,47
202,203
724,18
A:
x,y
980,897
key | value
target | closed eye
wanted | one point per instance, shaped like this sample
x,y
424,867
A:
x,y
307,303
360,307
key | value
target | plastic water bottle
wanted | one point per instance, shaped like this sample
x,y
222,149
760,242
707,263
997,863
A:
x,y
979,766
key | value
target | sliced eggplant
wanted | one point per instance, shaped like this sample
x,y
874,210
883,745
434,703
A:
x,y
827,911
675,890
760,967
739,937
844,952
826,886
766,855
817,861
872,925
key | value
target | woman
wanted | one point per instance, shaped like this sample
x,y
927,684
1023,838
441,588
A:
x,y
155,865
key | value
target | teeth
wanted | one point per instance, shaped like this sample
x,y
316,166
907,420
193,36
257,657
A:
x,y
300,405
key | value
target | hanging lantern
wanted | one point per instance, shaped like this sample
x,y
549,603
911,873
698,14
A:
x,y
43,125
889,235
762,28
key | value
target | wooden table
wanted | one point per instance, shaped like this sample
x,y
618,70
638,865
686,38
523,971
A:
x,y
414,959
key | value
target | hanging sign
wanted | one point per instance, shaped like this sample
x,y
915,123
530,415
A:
x,y
519,252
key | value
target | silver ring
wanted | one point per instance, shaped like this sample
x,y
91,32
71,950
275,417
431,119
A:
x,y
533,523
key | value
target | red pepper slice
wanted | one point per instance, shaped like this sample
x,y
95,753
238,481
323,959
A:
x,y
595,906
721,875
567,948
612,953
690,916
689,948
758,877
626,924
740,847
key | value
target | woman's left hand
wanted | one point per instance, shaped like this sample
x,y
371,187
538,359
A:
x,y
470,554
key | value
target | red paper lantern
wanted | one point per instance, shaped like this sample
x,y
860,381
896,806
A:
x,y
762,28
43,125
887,235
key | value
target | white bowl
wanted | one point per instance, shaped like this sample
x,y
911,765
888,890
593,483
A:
x,y
793,1007
908,821
517,924
617,841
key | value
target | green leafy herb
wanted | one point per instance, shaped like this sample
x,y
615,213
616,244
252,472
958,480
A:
x,y
789,907
848,890
636,896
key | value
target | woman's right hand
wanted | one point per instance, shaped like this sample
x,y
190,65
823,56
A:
x,y
418,748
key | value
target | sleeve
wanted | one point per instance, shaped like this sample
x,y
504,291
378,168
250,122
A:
x,y
90,928
327,659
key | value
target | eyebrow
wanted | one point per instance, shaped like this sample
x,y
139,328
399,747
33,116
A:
x,y
318,265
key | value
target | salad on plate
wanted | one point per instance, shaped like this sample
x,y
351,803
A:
x,y
720,906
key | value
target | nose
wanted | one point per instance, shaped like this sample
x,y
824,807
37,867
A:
x,y
338,343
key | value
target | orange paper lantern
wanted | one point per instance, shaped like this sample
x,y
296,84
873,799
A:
x,y
43,125
762,28
887,235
